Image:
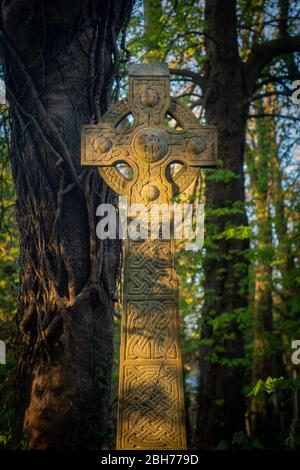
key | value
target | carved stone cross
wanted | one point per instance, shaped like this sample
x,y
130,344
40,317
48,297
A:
x,y
151,400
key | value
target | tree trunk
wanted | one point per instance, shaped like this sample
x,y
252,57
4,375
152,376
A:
x,y
152,14
221,403
60,59
260,170
285,254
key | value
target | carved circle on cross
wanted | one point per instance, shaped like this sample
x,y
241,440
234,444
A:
x,y
196,145
181,180
150,144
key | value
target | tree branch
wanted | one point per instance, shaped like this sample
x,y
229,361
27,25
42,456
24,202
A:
x,y
195,103
264,115
280,79
263,53
196,77
270,94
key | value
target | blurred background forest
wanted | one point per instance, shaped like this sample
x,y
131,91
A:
x,y
242,389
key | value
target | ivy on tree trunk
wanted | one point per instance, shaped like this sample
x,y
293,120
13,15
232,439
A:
x,y
60,59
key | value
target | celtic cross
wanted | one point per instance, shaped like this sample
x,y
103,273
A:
x,y
151,401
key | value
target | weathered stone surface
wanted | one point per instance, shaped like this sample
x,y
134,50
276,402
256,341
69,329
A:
x,y
151,401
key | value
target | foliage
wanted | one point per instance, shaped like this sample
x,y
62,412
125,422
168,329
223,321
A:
x,y
268,386
9,251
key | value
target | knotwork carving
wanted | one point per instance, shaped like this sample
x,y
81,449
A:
x,y
150,408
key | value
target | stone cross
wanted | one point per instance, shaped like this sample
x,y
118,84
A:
x,y
151,400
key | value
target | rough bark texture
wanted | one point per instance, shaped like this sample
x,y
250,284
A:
x,y
228,86
262,305
60,59
221,409
152,14
260,167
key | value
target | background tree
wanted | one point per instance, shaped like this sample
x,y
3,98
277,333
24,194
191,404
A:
x,y
60,60
222,56
227,69
260,154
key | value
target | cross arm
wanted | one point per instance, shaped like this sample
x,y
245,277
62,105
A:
x,y
103,146
196,147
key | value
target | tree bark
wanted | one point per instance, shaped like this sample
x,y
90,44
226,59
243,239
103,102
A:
x,y
228,87
60,59
221,404
263,362
152,14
